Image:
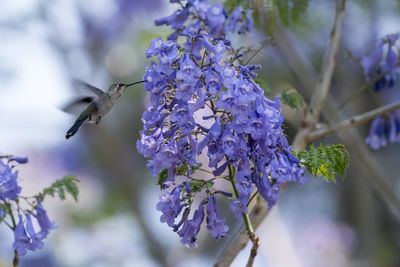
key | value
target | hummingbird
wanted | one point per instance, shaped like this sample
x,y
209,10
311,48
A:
x,y
97,106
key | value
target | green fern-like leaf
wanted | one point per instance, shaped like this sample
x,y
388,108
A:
x,y
325,160
62,187
292,98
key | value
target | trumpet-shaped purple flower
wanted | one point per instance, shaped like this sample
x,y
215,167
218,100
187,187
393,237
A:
x,y
20,160
176,20
238,208
188,70
25,236
370,62
44,222
267,189
22,242
240,21
215,223
384,130
170,205
377,133
215,19
394,127
190,228
381,67
35,238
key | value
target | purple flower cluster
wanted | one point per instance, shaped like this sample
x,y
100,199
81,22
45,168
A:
x,y
25,236
9,188
381,68
203,102
384,130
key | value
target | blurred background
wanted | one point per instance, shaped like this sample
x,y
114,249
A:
x,y
45,44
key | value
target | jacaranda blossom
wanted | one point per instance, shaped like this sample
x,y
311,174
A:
x,y
384,130
203,101
381,67
26,237
9,188
382,70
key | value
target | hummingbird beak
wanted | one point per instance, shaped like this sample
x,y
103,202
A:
x,y
130,84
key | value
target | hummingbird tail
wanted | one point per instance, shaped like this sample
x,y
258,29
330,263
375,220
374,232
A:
x,y
78,123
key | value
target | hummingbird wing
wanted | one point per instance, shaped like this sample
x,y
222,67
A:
x,y
89,87
76,106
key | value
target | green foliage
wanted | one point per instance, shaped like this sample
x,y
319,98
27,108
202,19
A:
x,y
292,98
162,177
325,160
231,4
198,185
264,85
68,184
288,12
180,170
6,207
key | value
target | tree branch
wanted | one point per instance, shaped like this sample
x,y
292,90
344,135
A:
x,y
352,138
256,243
15,259
322,89
353,121
240,238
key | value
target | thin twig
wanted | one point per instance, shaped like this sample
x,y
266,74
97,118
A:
x,y
253,253
361,90
353,121
247,222
251,198
356,94
16,259
322,90
240,238
263,45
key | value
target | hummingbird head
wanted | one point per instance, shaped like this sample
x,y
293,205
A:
x,y
119,87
